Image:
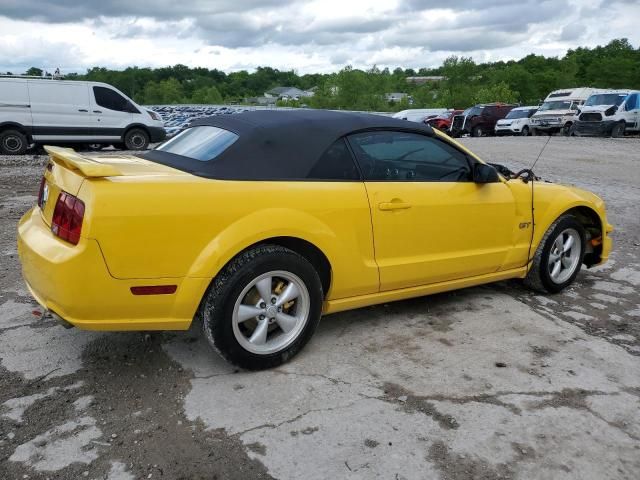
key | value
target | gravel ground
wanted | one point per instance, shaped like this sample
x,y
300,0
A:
x,y
484,383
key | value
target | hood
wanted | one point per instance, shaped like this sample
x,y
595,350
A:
x,y
596,108
552,113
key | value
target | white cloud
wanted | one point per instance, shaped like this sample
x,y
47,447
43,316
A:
x,y
306,35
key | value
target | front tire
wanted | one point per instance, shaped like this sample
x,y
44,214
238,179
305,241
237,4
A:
x,y
558,259
136,139
13,142
477,132
618,130
525,131
263,307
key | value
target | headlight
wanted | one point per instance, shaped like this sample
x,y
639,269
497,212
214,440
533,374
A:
x,y
154,115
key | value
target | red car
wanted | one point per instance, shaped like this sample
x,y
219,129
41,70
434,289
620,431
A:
x,y
443,121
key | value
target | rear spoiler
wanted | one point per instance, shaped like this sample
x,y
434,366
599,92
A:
x,y
87,166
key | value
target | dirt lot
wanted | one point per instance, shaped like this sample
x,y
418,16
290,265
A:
x,y
485,383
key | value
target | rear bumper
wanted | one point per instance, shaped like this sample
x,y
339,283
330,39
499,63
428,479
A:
x,y
74,283
602,128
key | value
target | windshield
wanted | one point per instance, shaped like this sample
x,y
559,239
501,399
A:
x,y
518,114
202,143
558,105
606,99
472,111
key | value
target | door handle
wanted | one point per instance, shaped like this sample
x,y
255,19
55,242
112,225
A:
x,y
386,206
97,111
83,110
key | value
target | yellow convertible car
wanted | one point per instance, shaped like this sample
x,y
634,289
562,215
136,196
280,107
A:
x,y
260,222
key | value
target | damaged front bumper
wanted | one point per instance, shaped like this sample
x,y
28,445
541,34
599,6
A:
x,y
600,129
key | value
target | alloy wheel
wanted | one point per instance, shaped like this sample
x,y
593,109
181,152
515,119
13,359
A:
x,y
564,256
271,312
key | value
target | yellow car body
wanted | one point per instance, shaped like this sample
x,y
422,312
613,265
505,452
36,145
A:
x,y
147,224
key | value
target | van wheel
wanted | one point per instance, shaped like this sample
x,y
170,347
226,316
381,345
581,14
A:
x,y
477,132
13,142
558,258
263,307
136,139
618,130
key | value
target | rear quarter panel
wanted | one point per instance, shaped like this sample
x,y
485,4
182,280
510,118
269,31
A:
x,y
189,226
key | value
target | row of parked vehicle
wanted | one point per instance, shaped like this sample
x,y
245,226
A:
x,y
578,111
178,117
38,111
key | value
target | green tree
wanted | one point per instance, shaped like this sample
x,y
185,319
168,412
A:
x,y
499,92
207,95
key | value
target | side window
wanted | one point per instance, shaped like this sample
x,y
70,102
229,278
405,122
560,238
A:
x,y
402,156
112,100
336,163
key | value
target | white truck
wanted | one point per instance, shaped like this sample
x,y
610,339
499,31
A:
x,y
610,113
559,110
50,111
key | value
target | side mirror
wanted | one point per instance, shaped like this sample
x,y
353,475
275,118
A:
x,y
483,173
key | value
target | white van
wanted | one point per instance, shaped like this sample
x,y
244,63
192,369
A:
x,y
48,111
559,110
610,113
419,114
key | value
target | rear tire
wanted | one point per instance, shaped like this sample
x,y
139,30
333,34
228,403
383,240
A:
x,y
136,139
13,142
559,256
234,310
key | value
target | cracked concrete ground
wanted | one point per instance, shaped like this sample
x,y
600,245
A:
x,y
484,383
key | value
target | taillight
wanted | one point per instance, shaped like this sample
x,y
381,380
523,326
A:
x,y
67,218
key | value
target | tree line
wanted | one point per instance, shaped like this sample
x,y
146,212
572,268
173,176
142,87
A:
x,y
526,81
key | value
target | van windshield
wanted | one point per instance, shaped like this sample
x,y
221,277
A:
x,y
606,99
556,105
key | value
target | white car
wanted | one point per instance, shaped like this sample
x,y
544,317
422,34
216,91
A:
x,y
50,111
517,122
611,113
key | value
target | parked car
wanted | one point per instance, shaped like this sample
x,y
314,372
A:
x,y
41,110
517,122
443,121
611,113
405,212
418,114
479,120
559,110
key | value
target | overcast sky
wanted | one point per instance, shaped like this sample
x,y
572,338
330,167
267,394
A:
x,y
308,36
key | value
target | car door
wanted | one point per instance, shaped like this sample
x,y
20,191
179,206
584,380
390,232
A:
x,y
631,112
431,222
60,110
111,111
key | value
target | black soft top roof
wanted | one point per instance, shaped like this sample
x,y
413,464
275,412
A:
x,y
279,144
